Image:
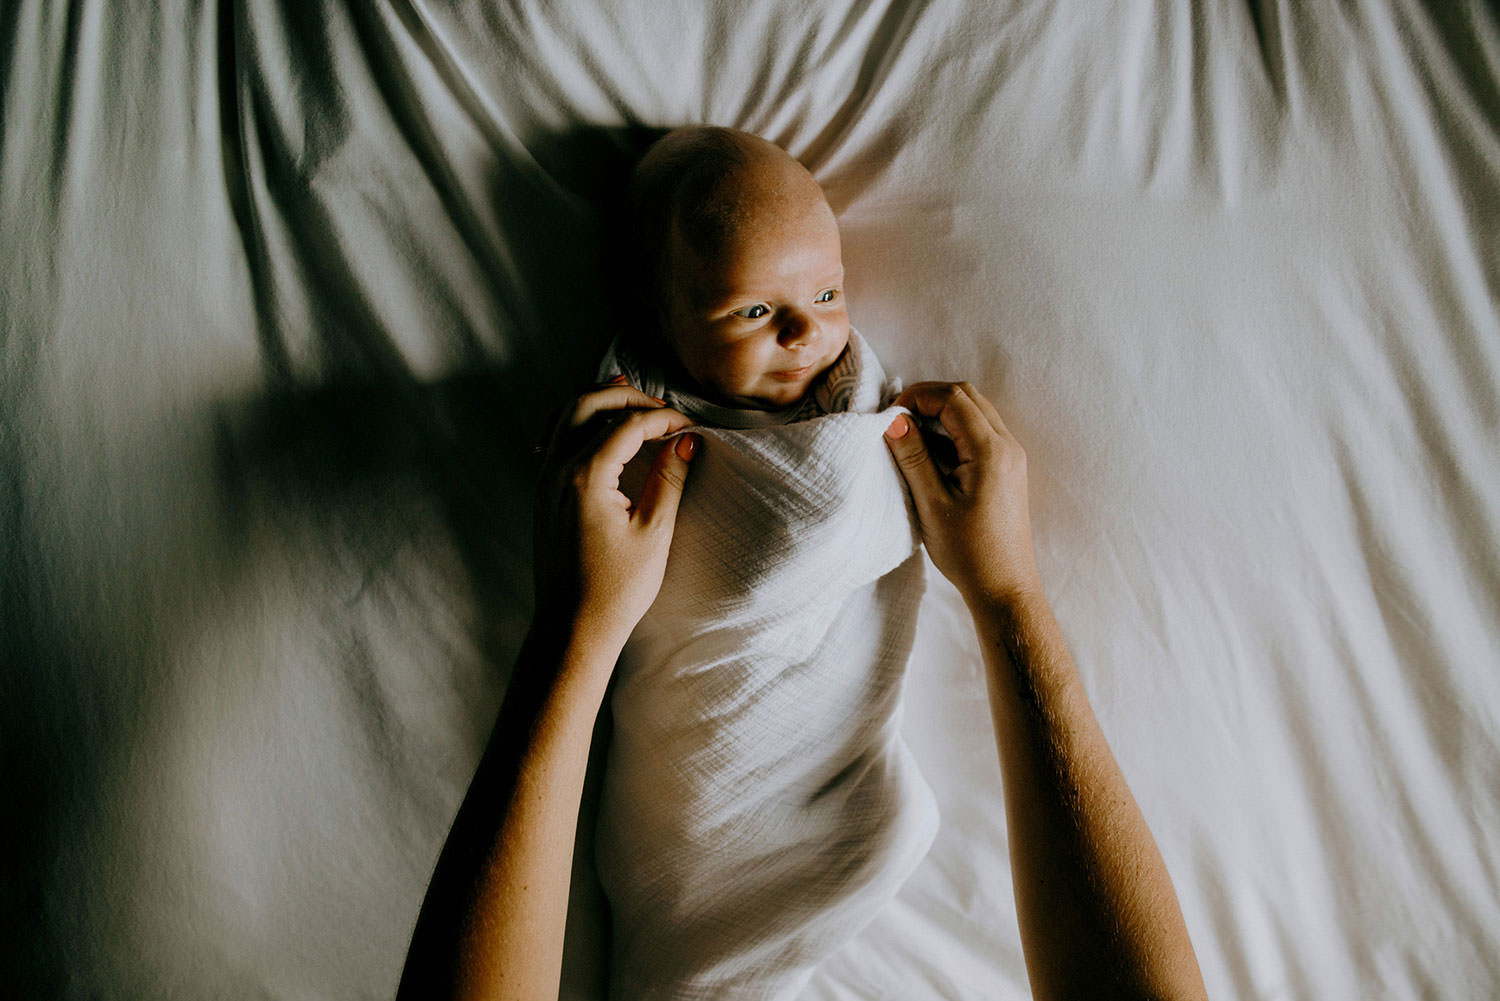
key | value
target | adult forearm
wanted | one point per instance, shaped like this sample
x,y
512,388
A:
x,y
1098,914
493,920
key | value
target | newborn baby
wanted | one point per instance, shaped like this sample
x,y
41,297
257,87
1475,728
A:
x,y
744,321
758,805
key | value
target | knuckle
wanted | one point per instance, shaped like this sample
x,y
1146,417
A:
x,y
911,458
671,476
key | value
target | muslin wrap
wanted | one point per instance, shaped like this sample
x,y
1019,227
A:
x,y
759,805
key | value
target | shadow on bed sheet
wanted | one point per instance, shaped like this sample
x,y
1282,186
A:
x,y
359,447
345,475
368,458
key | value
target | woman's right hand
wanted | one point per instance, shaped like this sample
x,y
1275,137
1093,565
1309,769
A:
x,y
599,558
973,514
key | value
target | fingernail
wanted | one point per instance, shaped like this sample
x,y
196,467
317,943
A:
x,y
898,427
617,380
659,400
686,446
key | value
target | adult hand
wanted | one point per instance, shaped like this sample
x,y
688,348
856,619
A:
x,y
973,512
1096,907
599,557
495,915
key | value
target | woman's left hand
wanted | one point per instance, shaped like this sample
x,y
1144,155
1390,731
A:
x,y
599,558
496,912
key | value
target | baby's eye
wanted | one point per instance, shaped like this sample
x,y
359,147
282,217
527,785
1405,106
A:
x,y
752,312
827,295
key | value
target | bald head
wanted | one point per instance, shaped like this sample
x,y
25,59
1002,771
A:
x,y
698,185
739,265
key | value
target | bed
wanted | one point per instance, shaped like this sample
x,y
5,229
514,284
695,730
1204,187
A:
x,y
288,292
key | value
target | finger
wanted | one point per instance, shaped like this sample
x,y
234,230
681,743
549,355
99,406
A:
x,y
622,443
620,380
613,397
663,490
967,424
986,406
923,478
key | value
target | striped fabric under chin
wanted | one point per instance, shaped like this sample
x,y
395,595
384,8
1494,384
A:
x,y
856,382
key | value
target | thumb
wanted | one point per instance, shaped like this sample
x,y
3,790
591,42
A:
x,y
922,477
663,490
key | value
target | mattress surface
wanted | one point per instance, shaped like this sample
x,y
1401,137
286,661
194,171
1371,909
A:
x,y
289,291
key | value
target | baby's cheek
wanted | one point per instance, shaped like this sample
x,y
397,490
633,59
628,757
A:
x,y
715,366
747,362
840,327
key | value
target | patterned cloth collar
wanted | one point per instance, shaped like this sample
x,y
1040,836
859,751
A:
x,y
856,383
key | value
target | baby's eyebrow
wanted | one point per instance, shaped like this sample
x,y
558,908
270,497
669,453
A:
x,y
728,294
728,298
735,295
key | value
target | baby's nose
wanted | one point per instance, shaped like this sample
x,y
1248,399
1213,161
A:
x,y
796,328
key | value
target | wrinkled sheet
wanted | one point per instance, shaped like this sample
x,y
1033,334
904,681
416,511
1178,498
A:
x,y
287,293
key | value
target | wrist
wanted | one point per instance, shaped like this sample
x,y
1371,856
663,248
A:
x,y
1008,596
1020,627
579,647
577,621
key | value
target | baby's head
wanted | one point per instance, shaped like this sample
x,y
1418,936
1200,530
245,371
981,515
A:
x,y
743,270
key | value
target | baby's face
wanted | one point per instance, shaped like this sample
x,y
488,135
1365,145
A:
x,y
757,320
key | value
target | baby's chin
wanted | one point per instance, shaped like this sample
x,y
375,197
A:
x,y
770,393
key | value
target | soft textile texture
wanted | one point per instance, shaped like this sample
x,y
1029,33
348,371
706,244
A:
x,y
288,291
759,805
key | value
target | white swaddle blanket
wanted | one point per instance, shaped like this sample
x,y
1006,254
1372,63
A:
x,y
759,805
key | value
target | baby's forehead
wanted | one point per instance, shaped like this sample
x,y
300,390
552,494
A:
x,y
707,210
758,199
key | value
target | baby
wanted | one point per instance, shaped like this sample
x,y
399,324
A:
x,y
758,804
741,282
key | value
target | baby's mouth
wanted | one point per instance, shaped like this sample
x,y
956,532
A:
x,y
794,374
